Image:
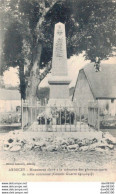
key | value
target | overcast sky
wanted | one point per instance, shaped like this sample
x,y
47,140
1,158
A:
x,y
75,63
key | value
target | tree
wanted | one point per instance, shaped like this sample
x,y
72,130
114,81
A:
x,y
99,18
3,67
14,53
29,35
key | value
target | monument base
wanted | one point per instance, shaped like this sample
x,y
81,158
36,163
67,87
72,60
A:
x,y
59,92
59,87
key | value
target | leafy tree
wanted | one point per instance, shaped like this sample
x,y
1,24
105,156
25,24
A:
x,y
2,32
97,24
90,27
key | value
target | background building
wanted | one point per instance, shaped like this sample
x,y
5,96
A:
x,y
97,86
9,100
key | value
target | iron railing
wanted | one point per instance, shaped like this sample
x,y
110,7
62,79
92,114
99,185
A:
x,y
53,118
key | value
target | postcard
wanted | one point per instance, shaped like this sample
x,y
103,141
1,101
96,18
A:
x,y
57,91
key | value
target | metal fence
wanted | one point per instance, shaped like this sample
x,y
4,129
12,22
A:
x,y
44,118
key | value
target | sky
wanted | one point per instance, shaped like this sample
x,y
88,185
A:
x,y
11,77
75,63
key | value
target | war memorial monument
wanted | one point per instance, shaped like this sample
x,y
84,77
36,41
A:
x,y
59,80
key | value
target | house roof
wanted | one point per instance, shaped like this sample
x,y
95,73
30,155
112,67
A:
x,y
9,94
102,83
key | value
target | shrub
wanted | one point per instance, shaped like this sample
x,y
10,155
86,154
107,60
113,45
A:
x,y
8,118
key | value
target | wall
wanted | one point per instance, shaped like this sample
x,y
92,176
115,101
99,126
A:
x,y
9,105
83,93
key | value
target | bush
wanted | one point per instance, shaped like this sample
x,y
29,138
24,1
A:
x,y
108,122
8,118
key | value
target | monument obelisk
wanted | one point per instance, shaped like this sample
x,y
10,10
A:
x,y
59,80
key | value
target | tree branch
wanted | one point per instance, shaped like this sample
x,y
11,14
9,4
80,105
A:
x,y
47,69
46,10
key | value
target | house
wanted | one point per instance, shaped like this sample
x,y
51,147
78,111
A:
x,y
10,100
92,86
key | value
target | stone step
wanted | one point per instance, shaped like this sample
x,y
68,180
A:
x,y
60,128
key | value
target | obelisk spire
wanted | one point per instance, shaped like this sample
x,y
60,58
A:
x,y
59,61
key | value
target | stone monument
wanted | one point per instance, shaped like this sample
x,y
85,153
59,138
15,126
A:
x,y
59,80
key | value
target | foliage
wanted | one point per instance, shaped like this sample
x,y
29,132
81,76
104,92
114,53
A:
x,y
96,29
108,122
10,118
13,45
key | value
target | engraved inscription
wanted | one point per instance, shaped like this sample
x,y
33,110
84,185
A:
x,y
59,48
59,31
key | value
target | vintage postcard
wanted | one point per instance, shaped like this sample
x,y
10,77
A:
x,y
57,90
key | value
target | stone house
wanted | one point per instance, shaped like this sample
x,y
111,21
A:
x,y
92,86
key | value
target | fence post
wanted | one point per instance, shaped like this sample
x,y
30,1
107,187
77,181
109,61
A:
x,y
75,120
65,116
22,114
45,123
70,118
93,120
80,116
98,119
60,117
31,113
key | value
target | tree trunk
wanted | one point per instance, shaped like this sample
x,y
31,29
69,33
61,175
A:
x,y
33,82
22,81
34,78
